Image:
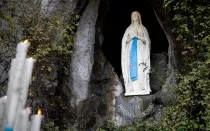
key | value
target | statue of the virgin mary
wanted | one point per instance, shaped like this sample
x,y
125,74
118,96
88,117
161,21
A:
x,y
135,58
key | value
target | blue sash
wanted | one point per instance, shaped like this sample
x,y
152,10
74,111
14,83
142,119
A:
x,y
133,60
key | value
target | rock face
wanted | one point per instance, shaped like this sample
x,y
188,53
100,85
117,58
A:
x,y
82,60
158,71
96,90
4,67
93,82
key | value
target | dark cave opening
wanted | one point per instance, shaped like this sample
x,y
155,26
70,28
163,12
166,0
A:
x,y
118,18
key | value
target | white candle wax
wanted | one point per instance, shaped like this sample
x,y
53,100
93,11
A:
x,y
11,77
3,101
22,49
15,83
25,81
23,120
36,122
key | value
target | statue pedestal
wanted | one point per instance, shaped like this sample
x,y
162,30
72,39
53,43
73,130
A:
x,y
137,93
130,109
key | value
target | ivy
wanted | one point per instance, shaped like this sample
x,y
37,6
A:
x,y
51,44
192,29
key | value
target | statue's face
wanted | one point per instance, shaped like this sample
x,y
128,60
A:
x,y
135,16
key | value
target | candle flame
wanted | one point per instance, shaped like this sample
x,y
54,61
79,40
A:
x,y
39,111
26,41
5,96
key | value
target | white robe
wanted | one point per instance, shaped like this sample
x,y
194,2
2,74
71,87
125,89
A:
x,y
141,86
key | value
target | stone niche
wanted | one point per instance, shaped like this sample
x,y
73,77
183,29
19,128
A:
x,y
116,20
95,79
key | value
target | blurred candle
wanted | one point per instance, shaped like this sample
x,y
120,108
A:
x,y
3,101
22,114
8,129
13,97
21,50
23,120
25,81
36,121
11,77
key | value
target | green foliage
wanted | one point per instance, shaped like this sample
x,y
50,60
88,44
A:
x,y
110,126
51,37
192,29
50,126
137,126
2,88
